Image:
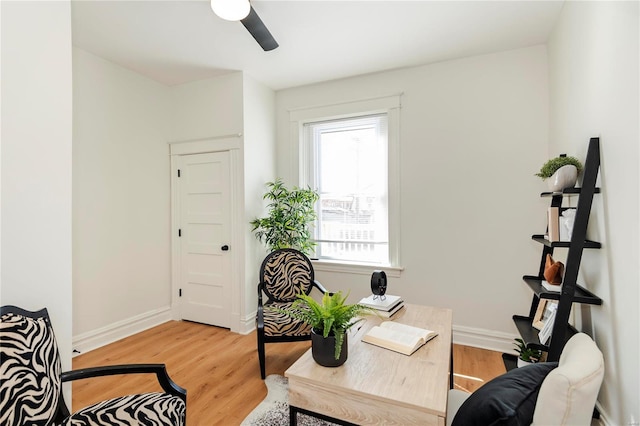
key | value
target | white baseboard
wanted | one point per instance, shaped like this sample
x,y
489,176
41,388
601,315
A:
x,y
248,323
603,420
483,338
94,339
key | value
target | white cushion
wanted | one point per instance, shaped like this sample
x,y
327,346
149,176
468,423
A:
x,y
455,400
568,394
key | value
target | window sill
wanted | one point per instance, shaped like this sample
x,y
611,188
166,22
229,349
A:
x,y
355,268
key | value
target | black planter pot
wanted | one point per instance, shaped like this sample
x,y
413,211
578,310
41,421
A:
x,y
323,350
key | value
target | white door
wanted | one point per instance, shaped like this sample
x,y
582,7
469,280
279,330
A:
x,y
205,260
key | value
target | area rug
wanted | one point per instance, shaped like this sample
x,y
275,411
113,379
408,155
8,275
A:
x,y
274,409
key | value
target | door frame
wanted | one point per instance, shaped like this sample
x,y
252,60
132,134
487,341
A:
x,y
233,145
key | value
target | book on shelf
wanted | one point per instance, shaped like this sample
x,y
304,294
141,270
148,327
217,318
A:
x,y
551,287
553,216
397,337
547,329
384,303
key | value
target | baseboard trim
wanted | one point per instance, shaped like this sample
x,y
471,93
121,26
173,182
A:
x,y
94,339
603,420
248,323
483,338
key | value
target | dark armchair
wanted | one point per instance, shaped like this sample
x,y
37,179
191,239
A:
x,y
31,381
284,274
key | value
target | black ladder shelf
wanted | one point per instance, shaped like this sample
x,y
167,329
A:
x,y
571,291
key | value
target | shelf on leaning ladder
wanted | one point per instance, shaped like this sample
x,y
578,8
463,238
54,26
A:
x,y
571,291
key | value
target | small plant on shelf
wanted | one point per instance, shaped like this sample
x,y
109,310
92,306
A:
x,y
550,167
525,353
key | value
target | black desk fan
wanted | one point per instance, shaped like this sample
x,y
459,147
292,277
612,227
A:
x,y
379,284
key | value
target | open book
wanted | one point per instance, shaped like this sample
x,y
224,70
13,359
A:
x,y
398,337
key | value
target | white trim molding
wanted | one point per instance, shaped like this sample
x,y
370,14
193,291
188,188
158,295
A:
x,y
354,268
95,339
248,323
483,338
233,144
212,144
389,105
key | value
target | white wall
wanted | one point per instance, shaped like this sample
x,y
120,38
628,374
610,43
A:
x,y
473,133
121,200
210,112
36,161
207,108
121,192
259,167
234,104
594,72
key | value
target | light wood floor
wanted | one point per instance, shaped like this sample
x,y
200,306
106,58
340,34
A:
x,y
220,369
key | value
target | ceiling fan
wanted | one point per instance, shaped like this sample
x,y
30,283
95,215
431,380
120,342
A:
x,y
241,10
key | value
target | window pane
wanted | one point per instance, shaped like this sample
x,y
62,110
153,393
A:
x,y
350,172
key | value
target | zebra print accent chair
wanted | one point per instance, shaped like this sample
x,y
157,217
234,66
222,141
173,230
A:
x,y
31,382
284,274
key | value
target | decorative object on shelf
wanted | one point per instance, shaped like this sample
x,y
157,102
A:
x,y
545,308
526,355
566,221
553,224
290,213
561,171
553,271
547,330
564,177
330,320
379,284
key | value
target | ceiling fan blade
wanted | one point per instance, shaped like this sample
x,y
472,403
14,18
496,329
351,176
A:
x,y
259,31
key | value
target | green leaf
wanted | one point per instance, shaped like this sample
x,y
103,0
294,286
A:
x,y
551,166
291,212
331,316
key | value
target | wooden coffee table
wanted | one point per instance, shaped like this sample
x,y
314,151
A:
x,y
376,385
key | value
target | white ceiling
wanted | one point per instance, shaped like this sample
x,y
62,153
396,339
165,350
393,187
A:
x,y
175,42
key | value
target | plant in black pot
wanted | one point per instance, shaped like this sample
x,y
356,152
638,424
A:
x,y
526,355
329,320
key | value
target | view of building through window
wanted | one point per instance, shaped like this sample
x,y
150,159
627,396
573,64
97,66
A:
x,y
349,170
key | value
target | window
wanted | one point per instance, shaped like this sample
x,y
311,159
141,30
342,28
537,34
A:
x,y
348,167
349,153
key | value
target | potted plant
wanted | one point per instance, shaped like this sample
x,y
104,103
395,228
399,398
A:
x,y
290,213
329,320
526,355
561,171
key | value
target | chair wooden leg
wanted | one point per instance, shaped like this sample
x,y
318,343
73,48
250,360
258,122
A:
x,y
261,355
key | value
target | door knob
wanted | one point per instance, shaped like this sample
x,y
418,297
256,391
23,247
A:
x,y
224,248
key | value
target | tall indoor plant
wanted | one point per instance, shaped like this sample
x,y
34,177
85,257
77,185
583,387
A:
x,y
291,211
329,320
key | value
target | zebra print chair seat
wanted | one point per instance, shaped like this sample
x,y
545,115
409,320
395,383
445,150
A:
x,y
284,274
31,382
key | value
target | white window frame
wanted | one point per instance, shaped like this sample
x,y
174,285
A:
x,y
389,105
